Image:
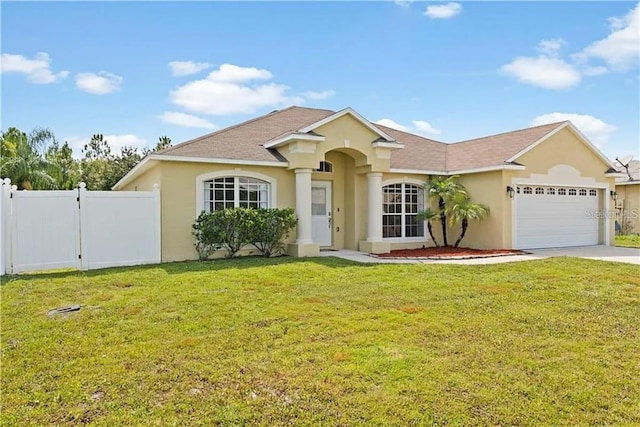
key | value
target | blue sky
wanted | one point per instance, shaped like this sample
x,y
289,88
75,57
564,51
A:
x,y
451,71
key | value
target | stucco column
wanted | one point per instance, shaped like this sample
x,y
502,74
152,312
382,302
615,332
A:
x,y
303,206
374,184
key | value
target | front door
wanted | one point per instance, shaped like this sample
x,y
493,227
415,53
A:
x,y
321,220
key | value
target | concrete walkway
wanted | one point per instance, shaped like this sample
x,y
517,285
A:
x,y
604,253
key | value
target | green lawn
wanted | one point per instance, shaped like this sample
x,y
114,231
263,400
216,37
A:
x,y
325,341
629,240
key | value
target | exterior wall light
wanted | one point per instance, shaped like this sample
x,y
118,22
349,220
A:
x,y
614,195
511,191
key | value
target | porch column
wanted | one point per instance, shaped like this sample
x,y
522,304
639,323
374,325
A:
x,y
303,206
374,184
374,244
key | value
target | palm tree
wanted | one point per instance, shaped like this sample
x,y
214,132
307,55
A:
x,y
430,215
25,163
444,189
463,209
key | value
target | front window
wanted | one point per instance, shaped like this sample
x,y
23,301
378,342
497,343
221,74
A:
x,y
235,192
400,206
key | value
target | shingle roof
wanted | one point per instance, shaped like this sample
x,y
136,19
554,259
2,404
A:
x,y
633,171
494,150
245,141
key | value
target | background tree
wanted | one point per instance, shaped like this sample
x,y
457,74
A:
x,y
163,142
67,175
101,169
23,159
444,189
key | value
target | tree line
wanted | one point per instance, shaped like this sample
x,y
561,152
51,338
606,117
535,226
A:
x,y
38,161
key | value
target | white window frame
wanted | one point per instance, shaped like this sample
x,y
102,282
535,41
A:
x,y
234,173
408,181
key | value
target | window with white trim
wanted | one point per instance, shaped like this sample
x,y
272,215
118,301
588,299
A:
x,y
562,192
551,191
572,192
583,192
235,192
593,192
527,190
400,207
539,190
325,167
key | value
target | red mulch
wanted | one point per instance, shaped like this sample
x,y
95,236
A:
x,y
448,251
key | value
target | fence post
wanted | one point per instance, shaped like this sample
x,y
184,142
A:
x,y
10,226
83,256
158,222
5,237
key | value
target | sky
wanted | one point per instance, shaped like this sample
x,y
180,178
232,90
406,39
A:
x,y
449,71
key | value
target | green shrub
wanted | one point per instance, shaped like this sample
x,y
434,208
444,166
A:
x,y
206,241
234,228
270,228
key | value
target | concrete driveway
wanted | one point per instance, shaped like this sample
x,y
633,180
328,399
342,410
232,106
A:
x,y
604,253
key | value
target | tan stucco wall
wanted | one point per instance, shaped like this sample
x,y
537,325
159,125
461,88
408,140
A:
x,y
565,148
146,180
485,188
631,210
344,134
178,198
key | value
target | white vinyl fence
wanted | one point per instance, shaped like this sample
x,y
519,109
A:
x,y
43,230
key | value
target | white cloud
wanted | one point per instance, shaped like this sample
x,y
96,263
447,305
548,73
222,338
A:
x,y
543,71
403,3
186,68
393,125
425,128
231,90
101,83
229,73
593,128
551,46
116,142
594,71
37,70
621,48
186,120
319,95
419,127
443,11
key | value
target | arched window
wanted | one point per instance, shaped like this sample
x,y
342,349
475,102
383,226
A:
x,y
235,192
325,167
400,206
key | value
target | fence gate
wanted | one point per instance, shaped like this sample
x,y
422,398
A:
x,y
44,230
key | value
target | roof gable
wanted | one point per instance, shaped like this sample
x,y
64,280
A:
x,y
350,111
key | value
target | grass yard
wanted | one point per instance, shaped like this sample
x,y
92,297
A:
x,y
629,240
325,341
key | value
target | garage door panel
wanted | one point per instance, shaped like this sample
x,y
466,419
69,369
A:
x,y
556,220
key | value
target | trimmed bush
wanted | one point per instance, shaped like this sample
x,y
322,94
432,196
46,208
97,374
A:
x,y
270,228
234,228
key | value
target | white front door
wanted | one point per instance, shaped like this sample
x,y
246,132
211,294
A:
x,y
321,220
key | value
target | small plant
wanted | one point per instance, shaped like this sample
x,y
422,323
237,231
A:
x,y
270,228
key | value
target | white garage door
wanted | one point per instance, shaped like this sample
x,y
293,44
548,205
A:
x,y
549,217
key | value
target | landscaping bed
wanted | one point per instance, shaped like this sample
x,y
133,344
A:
x,y
448,252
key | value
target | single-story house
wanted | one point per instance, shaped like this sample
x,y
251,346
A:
x,y
628,198
358,185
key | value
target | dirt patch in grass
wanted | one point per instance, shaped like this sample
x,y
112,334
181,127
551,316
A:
x,y
449,252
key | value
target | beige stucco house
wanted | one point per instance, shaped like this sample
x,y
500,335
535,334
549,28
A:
x,y
628,198
358,185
